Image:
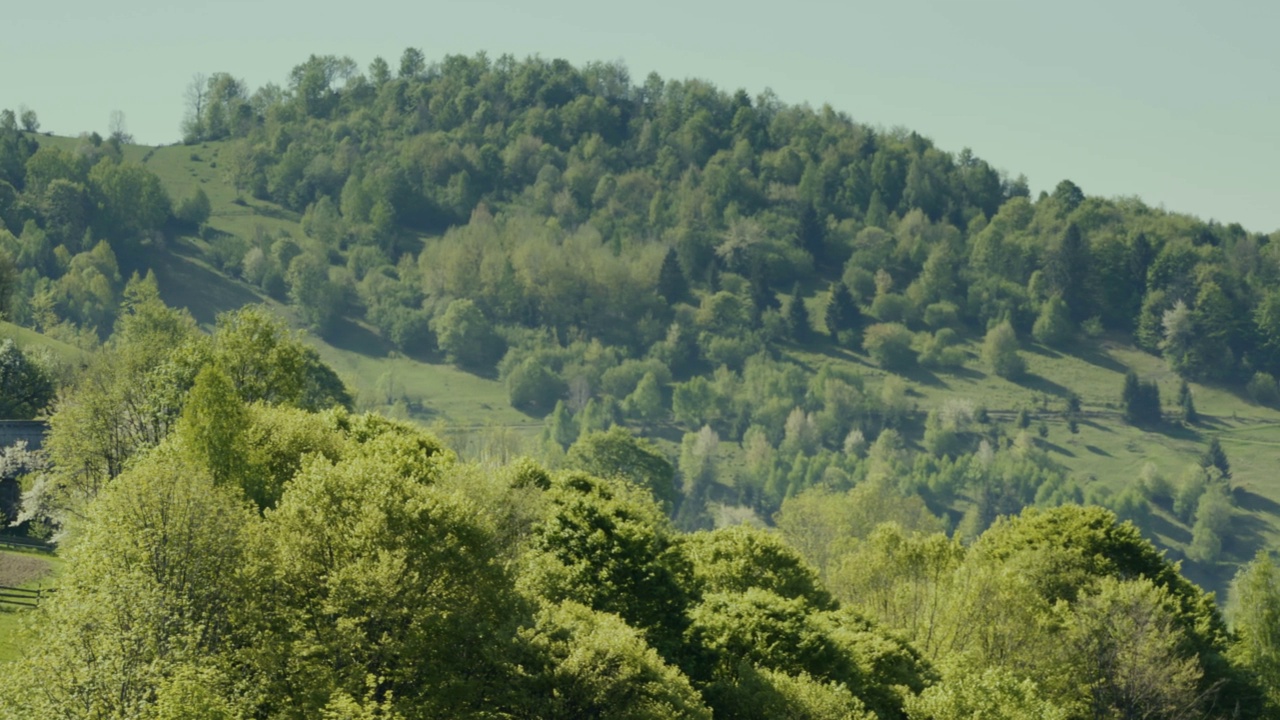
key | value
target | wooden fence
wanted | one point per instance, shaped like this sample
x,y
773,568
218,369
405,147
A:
x,y
22,597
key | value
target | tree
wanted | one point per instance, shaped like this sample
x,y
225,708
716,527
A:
x,y
1000,352
196,96
992,693
1141,400
155,582
645,402
843,316
266,362
30,123
586,663
211,424
412,63
26,385
533,387
194,211
617,453
889,344
1128,651
1053,326
1254,609
1067,270
1213,521
117,130
312,293
1215,457
798,317
1187,404
672,284
465,335
132,201
606,544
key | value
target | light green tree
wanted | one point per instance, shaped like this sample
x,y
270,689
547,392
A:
x,y
1000,352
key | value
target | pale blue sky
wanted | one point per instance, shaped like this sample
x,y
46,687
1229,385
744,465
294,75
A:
x,y
1177,102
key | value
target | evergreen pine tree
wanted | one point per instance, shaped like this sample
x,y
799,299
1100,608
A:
x,y
811,232
1129,396
877,211
1215,457
1187,403
762,298
798,316
843,315
672,285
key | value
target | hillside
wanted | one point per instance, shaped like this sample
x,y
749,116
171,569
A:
x,y
621,399
515,253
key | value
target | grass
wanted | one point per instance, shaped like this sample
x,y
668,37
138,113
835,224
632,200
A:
x,y
27,570
1109,453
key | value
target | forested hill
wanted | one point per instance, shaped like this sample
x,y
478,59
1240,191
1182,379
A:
x,y
687,261
639,311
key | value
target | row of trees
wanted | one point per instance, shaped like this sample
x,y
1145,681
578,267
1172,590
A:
x,y
251,548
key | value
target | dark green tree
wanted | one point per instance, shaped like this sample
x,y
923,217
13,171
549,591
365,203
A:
x,y
798,316
672,284
1215,457
1187,404
844,319
1066,269
26,387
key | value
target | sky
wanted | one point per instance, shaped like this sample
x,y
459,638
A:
x,y
1175,102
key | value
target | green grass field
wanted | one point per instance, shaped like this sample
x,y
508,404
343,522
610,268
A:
x,y
28,570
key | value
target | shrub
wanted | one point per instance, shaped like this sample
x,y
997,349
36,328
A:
x,y
1000,351
889,344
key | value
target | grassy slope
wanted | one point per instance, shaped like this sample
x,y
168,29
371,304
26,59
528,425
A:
x,y
10,618
435,393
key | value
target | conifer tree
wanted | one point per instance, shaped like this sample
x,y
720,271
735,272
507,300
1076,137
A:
x,y
672,285
843,315
1216,457
812,232
1187,403
798,316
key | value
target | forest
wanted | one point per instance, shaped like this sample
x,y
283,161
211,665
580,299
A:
x,y
726,317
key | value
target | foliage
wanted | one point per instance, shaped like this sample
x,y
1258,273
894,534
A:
x,y
617,453
889,344
1000,352
26,385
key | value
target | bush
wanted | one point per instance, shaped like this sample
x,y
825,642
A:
x,y
942,315
1262,389
889,344
194,211
1000,351
534,388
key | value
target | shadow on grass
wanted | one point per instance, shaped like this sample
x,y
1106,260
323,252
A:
x,y
1097,426
1162,526
1097,357
1042,351
1250,500
1177,431
1248,535
355,338
204,293
274,212
964,373
1098,451
924,376
1053,447
1044,385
